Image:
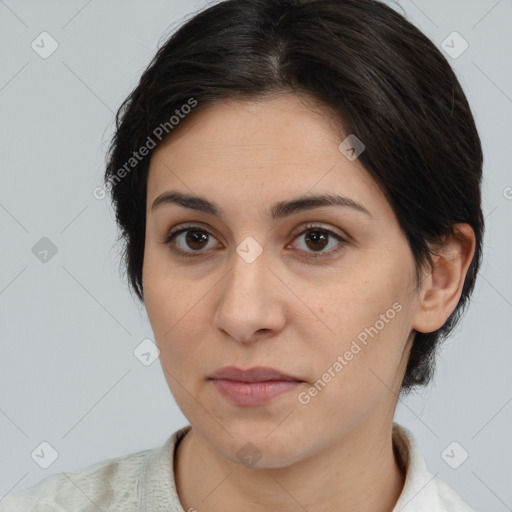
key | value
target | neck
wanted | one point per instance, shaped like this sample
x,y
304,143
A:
x,y
359,473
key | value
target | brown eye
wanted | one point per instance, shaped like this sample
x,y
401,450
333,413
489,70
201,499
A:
x,y
318,239
189,241
196,239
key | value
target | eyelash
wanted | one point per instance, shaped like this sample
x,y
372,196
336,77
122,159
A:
x,y
168,239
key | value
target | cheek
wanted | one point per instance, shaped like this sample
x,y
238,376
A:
x,y
357,369
173,314
165,294
367,320
175,309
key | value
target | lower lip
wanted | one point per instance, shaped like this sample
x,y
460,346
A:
x,y
253,393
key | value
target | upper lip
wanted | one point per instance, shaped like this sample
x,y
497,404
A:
x,y
255,374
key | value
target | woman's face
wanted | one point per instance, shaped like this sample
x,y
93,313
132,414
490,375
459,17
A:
x,y
325,293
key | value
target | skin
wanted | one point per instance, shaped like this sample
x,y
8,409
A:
x,y
285,310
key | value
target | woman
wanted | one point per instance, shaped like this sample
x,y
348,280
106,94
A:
x,y
297,183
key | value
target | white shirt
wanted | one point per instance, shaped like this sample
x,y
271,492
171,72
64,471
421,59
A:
x,y
144,482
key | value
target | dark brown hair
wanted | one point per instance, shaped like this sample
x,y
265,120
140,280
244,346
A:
x,y
384,80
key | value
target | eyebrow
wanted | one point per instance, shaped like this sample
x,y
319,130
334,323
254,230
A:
x,y
278,210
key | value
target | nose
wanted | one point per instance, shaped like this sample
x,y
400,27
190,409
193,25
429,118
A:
x,y
251,301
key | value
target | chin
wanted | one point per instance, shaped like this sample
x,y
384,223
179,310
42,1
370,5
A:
x,y
261,450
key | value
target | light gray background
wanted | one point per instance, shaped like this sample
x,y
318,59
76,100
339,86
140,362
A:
x,y
68,328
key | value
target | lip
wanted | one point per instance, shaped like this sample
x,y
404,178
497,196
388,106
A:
x,y
254,386
253,393
255,374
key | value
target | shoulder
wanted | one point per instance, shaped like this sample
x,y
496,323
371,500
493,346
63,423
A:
x,y
95,487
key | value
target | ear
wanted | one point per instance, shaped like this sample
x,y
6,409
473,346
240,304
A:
x,y
441,288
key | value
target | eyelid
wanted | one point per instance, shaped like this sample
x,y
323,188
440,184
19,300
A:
x,y
331,253
315,225
170,236
192,226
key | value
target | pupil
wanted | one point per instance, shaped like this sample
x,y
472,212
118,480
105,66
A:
x,y
192,239
314,237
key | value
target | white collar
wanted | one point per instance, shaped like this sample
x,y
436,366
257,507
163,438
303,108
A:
x,y
422,491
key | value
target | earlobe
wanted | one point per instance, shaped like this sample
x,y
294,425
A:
x,y
441,288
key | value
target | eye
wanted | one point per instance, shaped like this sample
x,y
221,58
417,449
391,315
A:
x,y
318,238
193,239
192,236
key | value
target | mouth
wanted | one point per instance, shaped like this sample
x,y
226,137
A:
x,y
252,387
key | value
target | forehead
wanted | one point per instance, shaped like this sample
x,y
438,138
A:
x,y
266,149
278,124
